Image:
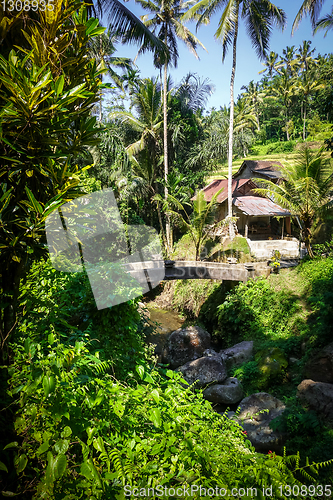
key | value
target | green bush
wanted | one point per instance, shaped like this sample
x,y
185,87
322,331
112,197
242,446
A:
x,y
255,311
53,301
281,147
82,432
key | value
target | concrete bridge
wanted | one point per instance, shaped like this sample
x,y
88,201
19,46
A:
x,y
184,270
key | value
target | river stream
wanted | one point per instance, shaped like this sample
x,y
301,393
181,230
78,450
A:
x,y
165,322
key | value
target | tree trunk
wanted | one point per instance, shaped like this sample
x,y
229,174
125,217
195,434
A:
x,y
304,118
231,129
166,167
100,109
161,224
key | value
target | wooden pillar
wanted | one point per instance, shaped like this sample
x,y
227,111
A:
x,y
282,228
288,225
246,227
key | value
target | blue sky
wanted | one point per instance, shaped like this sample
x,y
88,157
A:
x,y
248,66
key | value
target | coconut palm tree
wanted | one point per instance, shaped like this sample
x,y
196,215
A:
x,y
289,60
325,23
304,55
305,191
259,18
254,96
129,28
165,20
307,85
271,64
308,7
285,89
102,48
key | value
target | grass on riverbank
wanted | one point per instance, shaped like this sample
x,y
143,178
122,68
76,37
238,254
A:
x,y
291,311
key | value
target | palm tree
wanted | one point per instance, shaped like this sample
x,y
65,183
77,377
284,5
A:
x,y
147,121
325,23
193,92
196,224
254,96
289,60
285,88
305,191
102,48
129,28
165,19
259,19
312,7
244,120
304,56
306,86
271,64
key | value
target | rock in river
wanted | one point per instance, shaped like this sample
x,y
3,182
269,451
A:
x,y
185,344
204,370
229,392
318,396
237,354
256,413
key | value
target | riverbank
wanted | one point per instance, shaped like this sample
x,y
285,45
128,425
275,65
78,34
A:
x,y
290,311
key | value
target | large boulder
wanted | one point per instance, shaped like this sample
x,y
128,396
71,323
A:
x,y
229,392
320,367
256,413
237,354
185,344
318,396
204,371
272,364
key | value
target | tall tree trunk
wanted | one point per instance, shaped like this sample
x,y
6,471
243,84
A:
x,y
166,166
100,109
161,224
304,118
231,129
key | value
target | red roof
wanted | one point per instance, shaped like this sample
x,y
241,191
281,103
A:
x,y
218,184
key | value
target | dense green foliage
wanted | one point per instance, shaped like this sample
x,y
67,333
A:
x,y
45,124
82,431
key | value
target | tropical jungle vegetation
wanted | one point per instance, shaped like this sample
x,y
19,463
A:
x,y
86,407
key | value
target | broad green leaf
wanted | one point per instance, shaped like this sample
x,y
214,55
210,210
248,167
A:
x,y
49,384
99,444
155,417
13,444
43,448
47,78
92,25
59,85
21,463
91,431
60,465
154,393
61,446
3,467
140,370
148,378
85,471
36,205
66,432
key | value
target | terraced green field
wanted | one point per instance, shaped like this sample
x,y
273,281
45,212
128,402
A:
x,y
259,153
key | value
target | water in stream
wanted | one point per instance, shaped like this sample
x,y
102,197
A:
x,y
168,321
